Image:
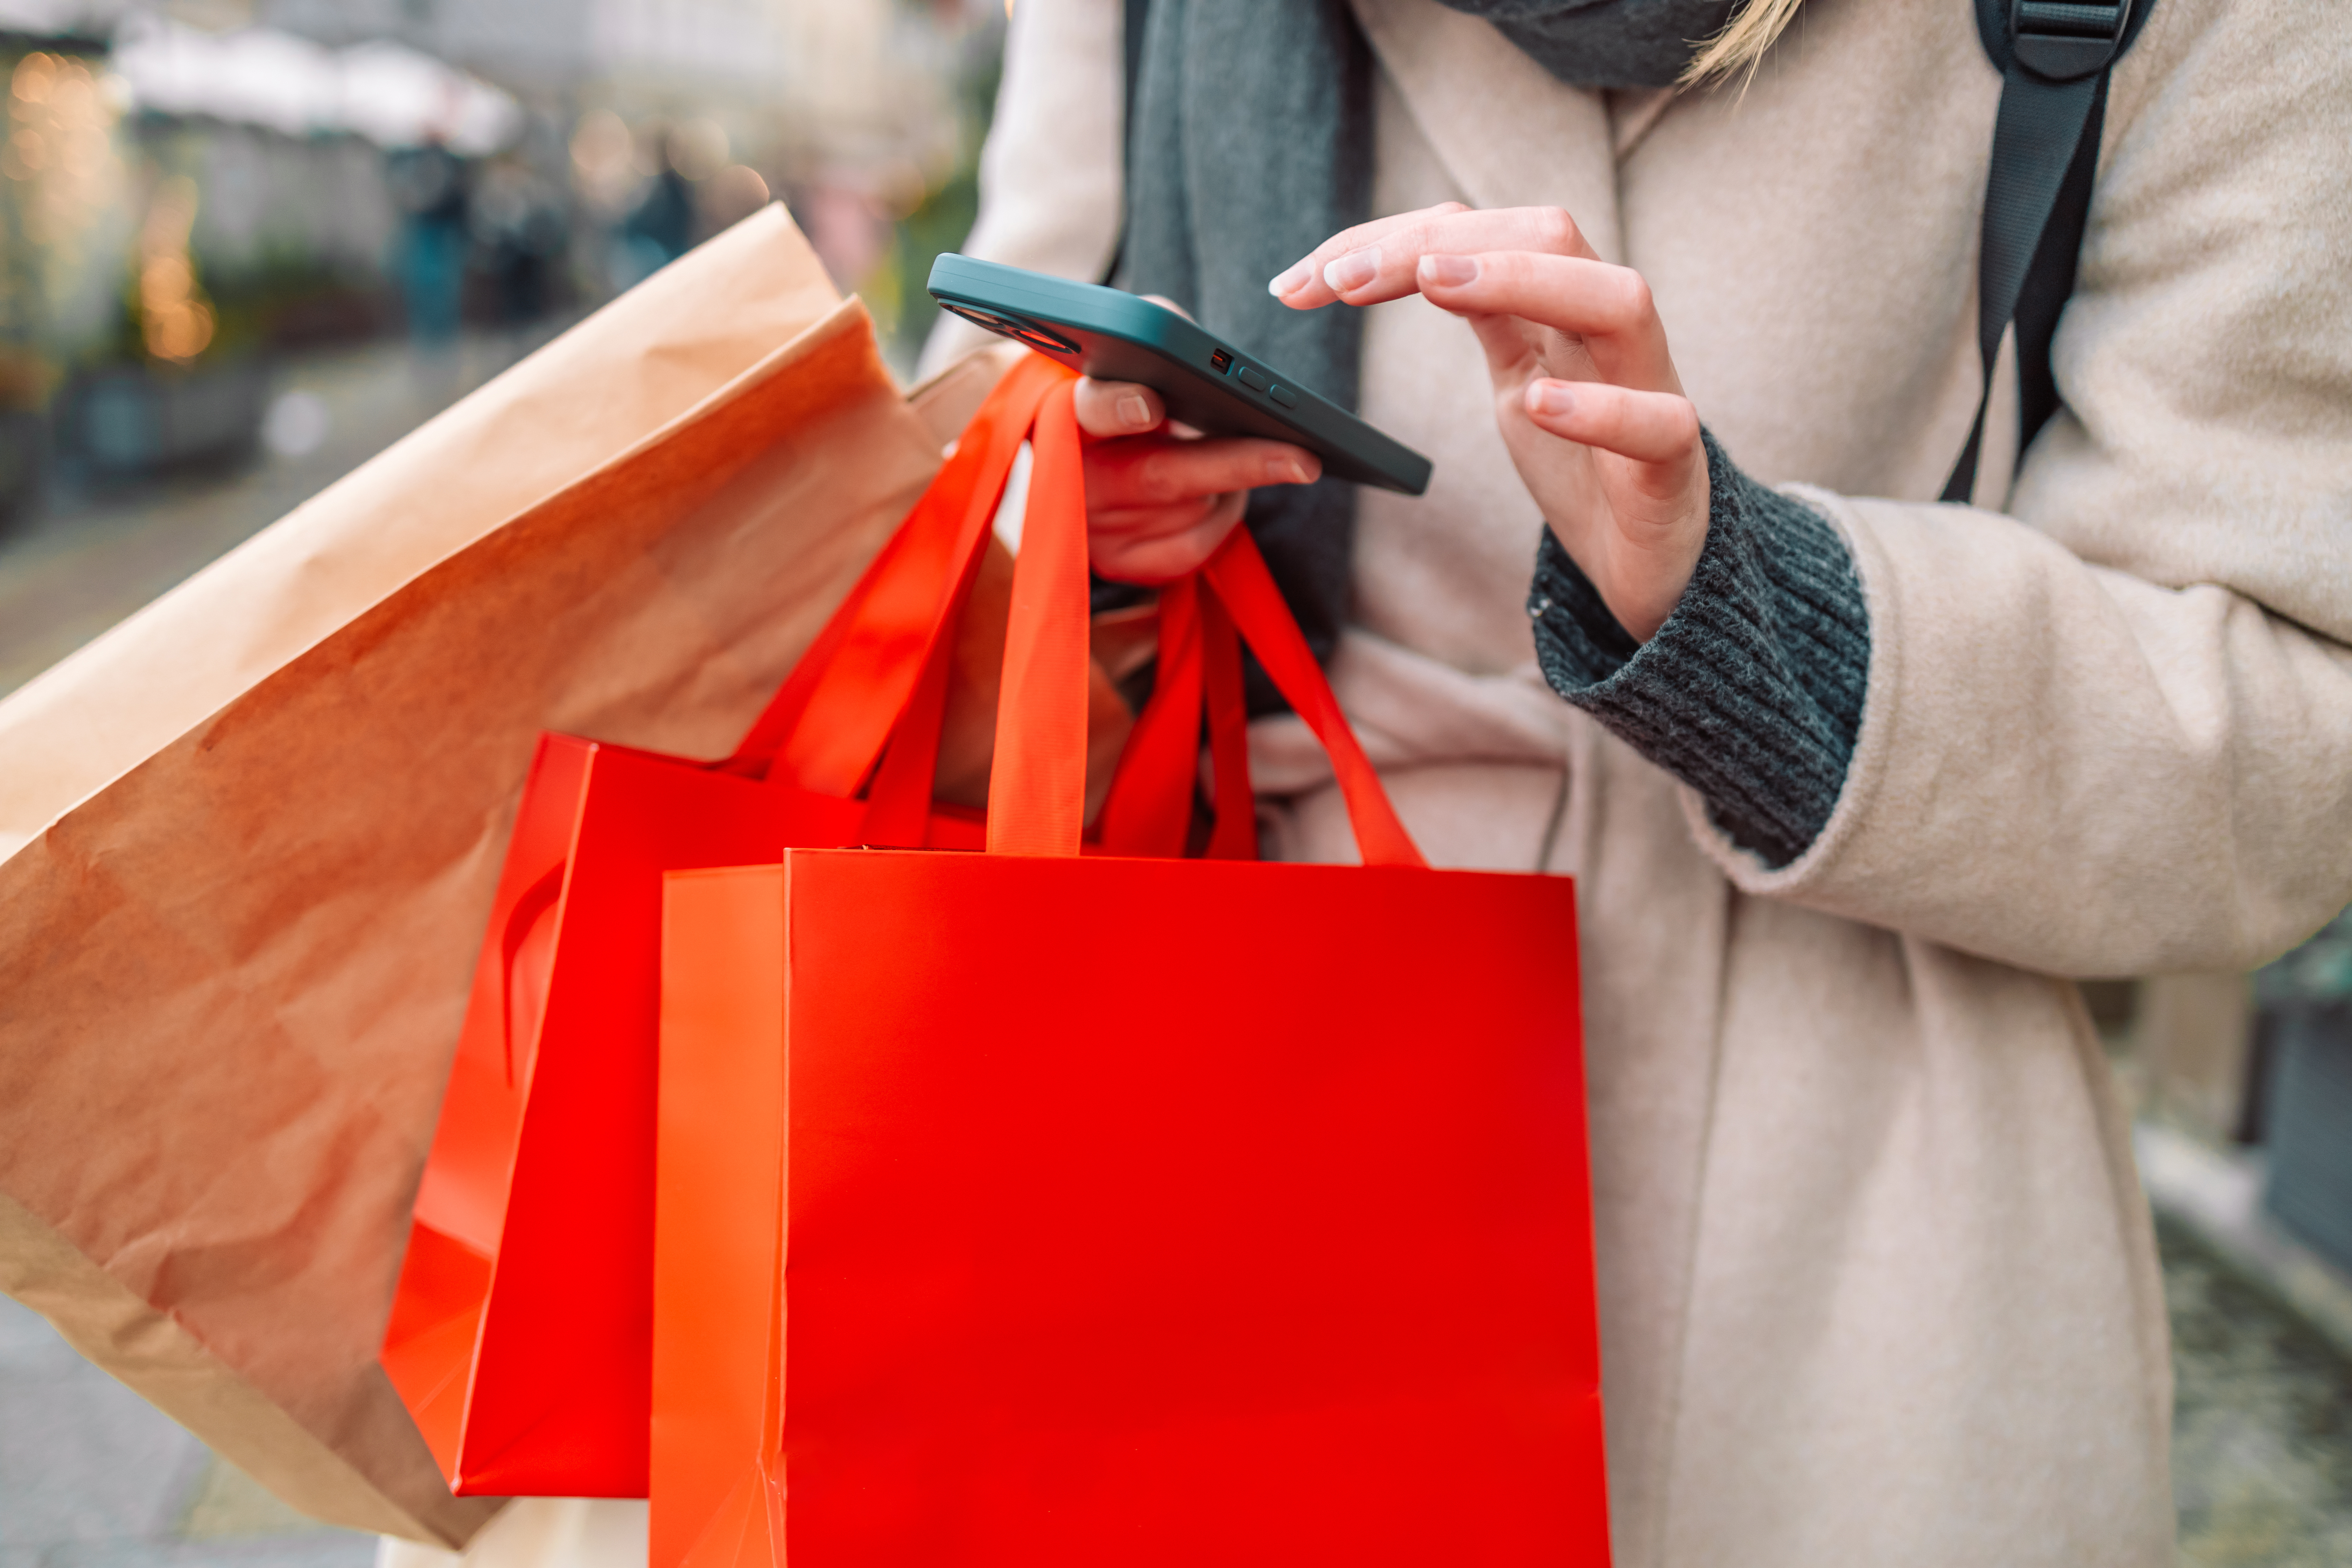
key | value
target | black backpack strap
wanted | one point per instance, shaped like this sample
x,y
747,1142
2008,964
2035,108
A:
x,y
2054,57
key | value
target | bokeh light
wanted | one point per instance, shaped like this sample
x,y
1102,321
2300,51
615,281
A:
x,y
175,320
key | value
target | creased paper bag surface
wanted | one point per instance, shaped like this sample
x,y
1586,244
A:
x,y
251,835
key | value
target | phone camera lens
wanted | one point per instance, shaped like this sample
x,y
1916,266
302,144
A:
x,y
1013,327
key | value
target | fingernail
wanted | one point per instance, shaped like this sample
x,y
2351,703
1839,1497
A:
x,y
1291,282
1552,398
1449,271
1133,412
1285,471
1354,269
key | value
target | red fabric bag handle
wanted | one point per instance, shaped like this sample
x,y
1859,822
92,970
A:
x,y
1037,792
829,721
1037,782
1149,810
1235,838
1246,588
898,803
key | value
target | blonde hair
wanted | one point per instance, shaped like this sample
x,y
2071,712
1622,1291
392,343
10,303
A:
x,y
1744,41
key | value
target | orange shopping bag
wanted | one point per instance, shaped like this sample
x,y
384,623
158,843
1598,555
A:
x,y
520,1338
1018,1207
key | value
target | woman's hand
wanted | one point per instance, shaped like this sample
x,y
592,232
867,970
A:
x,y
1158,503
1159,497
1584,389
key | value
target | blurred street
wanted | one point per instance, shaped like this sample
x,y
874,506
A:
x,y
95,556
91,1476
2261,1425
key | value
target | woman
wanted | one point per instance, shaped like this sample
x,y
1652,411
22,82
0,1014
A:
x,y
1852,787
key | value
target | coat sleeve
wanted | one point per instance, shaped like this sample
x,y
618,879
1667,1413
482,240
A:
x,y
2111,732
1050,175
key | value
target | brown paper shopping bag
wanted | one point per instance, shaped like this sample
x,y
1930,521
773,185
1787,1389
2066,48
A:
x,y
248,839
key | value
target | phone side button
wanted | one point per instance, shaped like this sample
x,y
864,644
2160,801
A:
x,y
1251,377
1284,395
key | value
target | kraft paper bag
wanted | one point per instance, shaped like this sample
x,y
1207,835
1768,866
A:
x,y
248,839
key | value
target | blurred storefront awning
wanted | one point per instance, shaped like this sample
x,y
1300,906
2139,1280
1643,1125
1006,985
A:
x,y
392,95
44,18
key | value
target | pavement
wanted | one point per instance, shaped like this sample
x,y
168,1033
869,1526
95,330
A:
x,y
2261,1362
91,1476
2262,1420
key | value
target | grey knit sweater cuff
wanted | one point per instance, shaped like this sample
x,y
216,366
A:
x,y
1752,690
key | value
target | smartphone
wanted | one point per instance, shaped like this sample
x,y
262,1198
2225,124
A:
x,y
1211,386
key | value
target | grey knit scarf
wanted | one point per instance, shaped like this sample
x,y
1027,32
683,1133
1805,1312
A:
x,y
1251,144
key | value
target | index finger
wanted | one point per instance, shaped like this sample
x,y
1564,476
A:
x,y
1608,308
1376,262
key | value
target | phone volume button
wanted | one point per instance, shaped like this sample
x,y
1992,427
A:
x,y
1283,396
1252,378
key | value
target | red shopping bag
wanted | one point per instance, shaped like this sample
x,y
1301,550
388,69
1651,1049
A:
x,y
1020,1208
520,1335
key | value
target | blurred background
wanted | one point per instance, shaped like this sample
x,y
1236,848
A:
x,y
247,244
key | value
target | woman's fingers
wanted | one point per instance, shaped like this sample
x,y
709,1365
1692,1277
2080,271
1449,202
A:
x,y
1609,308
1304,286
1376,262
1155,549
1654,427
1157,507
1516,350
1111,408
1154,470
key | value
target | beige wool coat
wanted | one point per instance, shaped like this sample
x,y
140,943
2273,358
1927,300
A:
x,y
1877,1283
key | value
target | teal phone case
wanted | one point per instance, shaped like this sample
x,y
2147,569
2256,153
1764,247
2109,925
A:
x,y
1210,384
